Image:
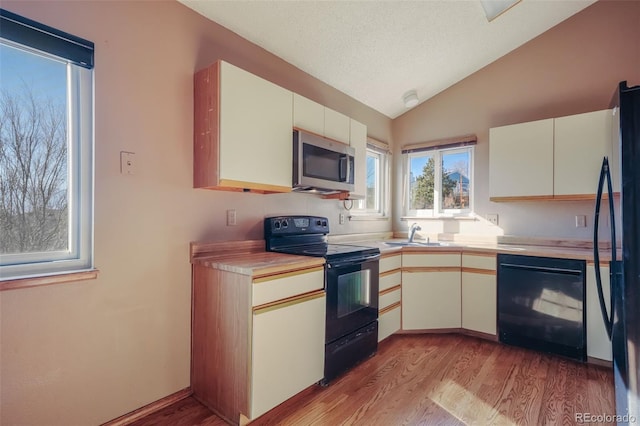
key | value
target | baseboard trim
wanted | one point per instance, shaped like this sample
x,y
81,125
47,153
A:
x,y
150,408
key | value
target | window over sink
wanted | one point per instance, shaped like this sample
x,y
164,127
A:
x,y
438,179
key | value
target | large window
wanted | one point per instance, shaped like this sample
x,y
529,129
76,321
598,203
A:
x,y
46,150
375,201
438,182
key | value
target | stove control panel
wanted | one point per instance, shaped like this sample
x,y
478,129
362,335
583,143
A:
x,y
295,225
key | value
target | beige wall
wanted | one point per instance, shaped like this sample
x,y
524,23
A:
x,y
570,69
84,353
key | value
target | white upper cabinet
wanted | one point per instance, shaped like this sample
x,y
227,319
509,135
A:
x,y
316,118
242,131
581,141
358,141
308,115
556,158
255,129
521,160
336,126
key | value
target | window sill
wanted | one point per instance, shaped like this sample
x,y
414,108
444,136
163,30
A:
x,y
19,283
470,218
357,217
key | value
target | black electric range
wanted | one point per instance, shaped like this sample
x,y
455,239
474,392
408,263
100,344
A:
x,y
351,285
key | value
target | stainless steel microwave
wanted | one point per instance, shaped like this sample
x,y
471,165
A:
x,y
321,165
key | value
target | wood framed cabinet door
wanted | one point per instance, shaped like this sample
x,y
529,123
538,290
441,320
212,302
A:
x,y
308,115
479,302
598,343
521,160
581,141
479,293
430,300
336,126
242,131
287,350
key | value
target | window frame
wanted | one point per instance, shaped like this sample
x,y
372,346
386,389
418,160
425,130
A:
x,y
33,38
438,211
359,210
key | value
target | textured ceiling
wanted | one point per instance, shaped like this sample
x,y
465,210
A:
x,y
375,51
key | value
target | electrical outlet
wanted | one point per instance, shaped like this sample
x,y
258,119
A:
x,y
581,221
341,219
493,218
231,217
127,163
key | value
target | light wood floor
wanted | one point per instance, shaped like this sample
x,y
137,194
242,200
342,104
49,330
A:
x,y
437,380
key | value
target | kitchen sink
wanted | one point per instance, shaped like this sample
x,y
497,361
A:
x,y
415,243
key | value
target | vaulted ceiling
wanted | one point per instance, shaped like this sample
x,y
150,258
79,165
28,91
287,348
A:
x,y
376,51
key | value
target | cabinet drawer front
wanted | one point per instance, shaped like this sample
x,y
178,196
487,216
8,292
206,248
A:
x,y
479,262
388,323
389,298
431,260
283,286
390,263
390,280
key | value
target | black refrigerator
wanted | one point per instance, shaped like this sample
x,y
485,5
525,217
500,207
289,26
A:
x,y
622,315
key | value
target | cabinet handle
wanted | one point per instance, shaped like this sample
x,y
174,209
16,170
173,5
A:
x,y
280,304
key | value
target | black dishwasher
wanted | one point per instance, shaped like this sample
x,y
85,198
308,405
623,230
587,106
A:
x,y
541,304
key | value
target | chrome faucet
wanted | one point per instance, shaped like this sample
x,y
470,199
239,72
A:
x,y
412,231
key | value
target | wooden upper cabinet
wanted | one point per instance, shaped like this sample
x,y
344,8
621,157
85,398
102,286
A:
x,y
242,131
336,126
521,160
581,141
358,141
308,115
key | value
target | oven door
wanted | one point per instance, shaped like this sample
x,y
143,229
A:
x,y
352,295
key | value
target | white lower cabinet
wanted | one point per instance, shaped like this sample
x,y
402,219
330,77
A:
x,y
430,300
256,341
479,293
287,351
390,295
479,302
388,322
598,343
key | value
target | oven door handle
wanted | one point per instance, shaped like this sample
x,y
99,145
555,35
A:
x,y
352,261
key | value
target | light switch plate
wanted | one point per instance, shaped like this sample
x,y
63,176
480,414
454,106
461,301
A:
x,y
581,221
493,218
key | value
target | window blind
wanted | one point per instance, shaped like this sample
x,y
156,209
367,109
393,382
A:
x,y
21,30
455,142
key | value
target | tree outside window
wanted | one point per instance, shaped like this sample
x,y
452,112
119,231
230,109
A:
x,y
439,181
46,150
33,153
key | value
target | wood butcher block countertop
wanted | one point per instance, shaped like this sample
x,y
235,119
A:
x,y
259,264
493,248
248,258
